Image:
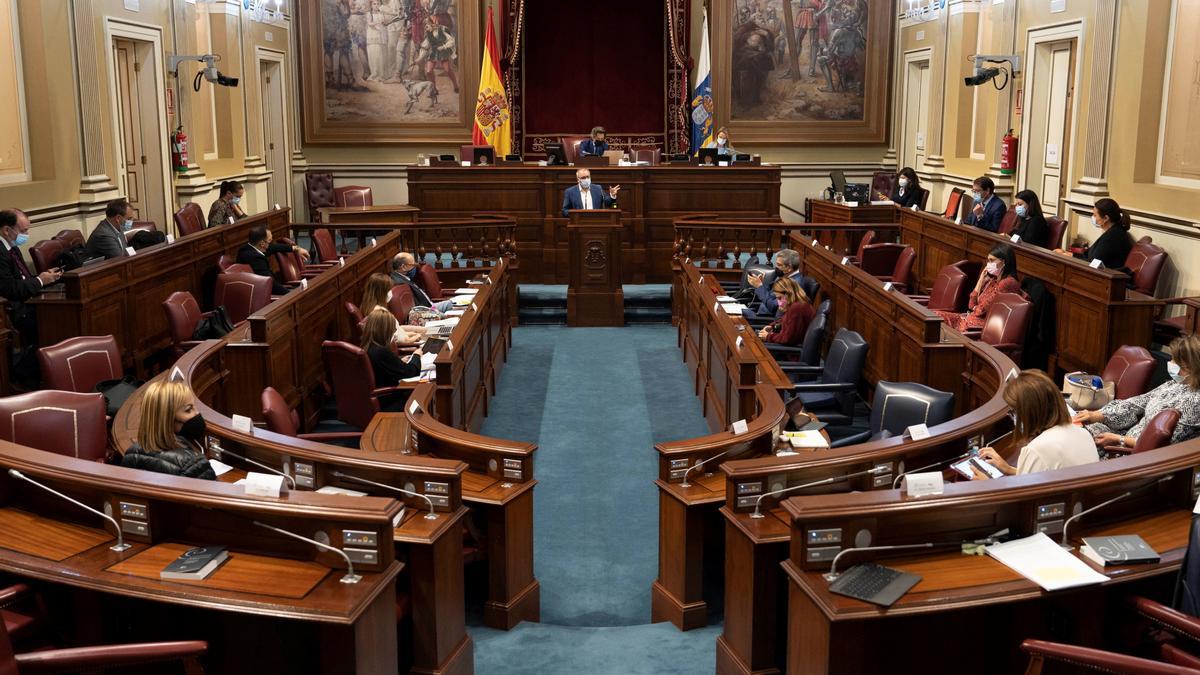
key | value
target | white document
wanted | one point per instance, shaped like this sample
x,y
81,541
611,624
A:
x,y
220,468
427,361
462,300
466,291
726,298
456,312
881,202
331,490
733,308
806,439
438,323
1045,563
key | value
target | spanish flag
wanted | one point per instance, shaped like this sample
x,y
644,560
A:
x,y
493,123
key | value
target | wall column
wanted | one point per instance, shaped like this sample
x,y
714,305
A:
x,y
934,159
1005,24
96,186
1094,181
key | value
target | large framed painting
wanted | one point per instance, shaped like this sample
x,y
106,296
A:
x,y
1179,146
388,71
791,71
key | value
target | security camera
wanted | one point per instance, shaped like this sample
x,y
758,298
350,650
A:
x,y
981,76
209,72
984,75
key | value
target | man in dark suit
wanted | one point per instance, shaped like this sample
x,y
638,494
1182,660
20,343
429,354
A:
x,y
584,195
765,305
256,251
404,273
107,240
596,145
18,284
988,209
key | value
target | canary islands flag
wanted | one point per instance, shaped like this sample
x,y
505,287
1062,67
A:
x,y
702,102
493,121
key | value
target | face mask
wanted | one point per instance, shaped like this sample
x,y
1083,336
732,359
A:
x,y
22,239
721,141
411,274
903,182
1173,371
585,183
127,225
1094,222
389,297
993,268
193,429
977,197
1022,211
235,200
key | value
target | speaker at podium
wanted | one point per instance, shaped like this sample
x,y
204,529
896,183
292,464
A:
x,y
594,295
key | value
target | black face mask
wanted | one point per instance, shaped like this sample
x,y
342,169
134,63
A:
x,y
194,429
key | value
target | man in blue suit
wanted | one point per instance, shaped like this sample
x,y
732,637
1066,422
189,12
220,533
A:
x,y
588,196
596,145
988,209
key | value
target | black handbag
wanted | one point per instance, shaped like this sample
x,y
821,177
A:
x,y
116,392
74,258
215,325
144,238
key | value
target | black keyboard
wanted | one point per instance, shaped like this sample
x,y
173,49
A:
x,y
874,583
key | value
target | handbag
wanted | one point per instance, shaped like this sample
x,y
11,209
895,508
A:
x,y
116,392
1087,392
74,258
419,316
215,325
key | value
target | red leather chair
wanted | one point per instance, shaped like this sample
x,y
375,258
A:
x,y
571,146
1042,653
324,247
20,611
319,186
646,155
1008,222
352,195
428,278
1168,328
45,253
69,238
1145,263
100,657
282,419
183,315
190,219
402,302
80,363
356,321
226,264
868,238
890,262
1130,369
242,294
63,422
1005,325
1057,227
1157,434
951,290
882,182
353,383
141,226
1171,622
293,268
952,204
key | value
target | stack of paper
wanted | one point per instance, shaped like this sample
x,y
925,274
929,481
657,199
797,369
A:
x,y
427,361
463,300
726,298
456,312
806,439
466,291
733,308
1045,563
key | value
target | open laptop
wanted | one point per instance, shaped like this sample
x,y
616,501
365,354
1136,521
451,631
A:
x,y
614,156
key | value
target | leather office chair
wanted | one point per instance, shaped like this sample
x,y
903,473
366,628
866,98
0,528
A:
x,y
353,382
402,302
356,322
831,395
1008,222
282,419
879,259
646,155
824,307
44,254
141,226
63,422
352,195
100,657
951,291
1042,653
1130,369
953,202
242,294
924,199
190,219
291,266
318,185
227,263
900,405
882,182
70,238
1145,263
1157,434
1057,227
1005,325
900,273
571,146
183,316
324,246
427,277
80,363
21,611
868,238
1167,329
809,351
1174,623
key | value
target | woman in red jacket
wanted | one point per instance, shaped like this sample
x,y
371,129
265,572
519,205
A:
x,y
790,327
999,276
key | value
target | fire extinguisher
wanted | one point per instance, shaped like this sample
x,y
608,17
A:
x,y
1008,154
179,153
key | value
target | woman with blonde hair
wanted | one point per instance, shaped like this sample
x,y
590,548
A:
x,y
377,292
797,313
377,341
171,433
1043,429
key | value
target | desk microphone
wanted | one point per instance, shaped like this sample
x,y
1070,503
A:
x,y
355,479
118,547
220,452
832,575
930,466
1101,505
349,578
825,481
697,465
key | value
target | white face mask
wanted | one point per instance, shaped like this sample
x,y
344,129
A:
x,y
1173,371
585,183
903,182
721,141
389,297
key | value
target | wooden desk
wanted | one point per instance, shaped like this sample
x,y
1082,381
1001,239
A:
x,y
123,297
825,211
651,196
1096,311
308,619
378,213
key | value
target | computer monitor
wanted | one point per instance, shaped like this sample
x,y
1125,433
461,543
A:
x,y
555,155
708,156
483,155
839,181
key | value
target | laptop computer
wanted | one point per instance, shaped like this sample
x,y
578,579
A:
x,y
614,156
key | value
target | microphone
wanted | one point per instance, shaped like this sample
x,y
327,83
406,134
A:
x,y
118,547
1101,505
832,575
930,466
349,578
825,481
215,447
697,465
355,479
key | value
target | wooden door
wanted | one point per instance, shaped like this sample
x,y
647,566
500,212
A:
x,y
131,155
275,153
1048,150
916,113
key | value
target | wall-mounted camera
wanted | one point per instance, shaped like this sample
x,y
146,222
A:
x,y
208,72
984,75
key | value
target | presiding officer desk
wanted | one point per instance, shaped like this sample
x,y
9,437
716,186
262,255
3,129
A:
x,y
650,197
277,604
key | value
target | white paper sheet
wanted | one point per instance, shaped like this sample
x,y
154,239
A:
x,y
1045,563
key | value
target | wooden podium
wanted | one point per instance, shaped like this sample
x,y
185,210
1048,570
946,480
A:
x,y
594,296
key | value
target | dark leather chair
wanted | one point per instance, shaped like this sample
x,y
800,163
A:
x,y
1157,434
1008,222
924,198
63,422
356,322
882,182
1005,325
1145,263
1056,227
1167,329
900,405
241,294
402,302
21,611
650,155
1167,621
1042,653
876,256
571,146
809,351
868,238
1130,369
318,185
80,363
353,382
352,195
45,253
190,219
466,153
100,657
69,238
141,226
953,202
183,316
427,277
282,419
951,290
750,268
324,246
831,395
